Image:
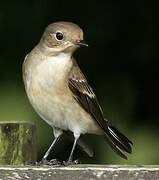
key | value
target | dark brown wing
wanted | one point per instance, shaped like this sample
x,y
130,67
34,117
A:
x,y
85,96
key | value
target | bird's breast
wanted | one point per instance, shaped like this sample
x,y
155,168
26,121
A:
x,y
49,94
46,85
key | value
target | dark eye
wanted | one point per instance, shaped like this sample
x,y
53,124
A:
x,y
59,36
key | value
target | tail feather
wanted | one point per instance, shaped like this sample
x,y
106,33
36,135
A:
x,y
115,148
118,142
123,137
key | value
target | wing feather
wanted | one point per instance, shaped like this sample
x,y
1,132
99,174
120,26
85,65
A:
x,y
85,96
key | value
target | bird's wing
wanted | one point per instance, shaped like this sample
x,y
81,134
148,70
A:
x,y
85,96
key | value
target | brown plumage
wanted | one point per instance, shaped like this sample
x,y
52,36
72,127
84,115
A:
x,y
60,93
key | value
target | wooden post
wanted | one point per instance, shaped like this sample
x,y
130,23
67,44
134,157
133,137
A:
x,y
17,143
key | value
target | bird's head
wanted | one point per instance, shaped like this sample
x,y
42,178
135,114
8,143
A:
x,y
62,37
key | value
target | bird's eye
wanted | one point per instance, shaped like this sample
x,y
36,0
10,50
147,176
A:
x,y
59,36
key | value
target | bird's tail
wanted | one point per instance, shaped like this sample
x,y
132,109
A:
x,y
118,142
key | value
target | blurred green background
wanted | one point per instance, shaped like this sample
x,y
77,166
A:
x,y
121,65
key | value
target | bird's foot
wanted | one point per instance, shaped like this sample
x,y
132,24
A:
x,y
52,162
70,163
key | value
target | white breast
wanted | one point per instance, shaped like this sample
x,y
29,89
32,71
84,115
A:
x,y
50,96
45,83
53,70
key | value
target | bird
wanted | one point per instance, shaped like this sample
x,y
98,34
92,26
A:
x,y
60,93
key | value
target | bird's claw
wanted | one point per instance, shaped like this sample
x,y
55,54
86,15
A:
x,y
52,162
69,163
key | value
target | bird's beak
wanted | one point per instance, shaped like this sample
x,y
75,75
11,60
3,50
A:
x,y
81,43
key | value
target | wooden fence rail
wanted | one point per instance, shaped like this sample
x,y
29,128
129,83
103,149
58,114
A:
x,y
80,172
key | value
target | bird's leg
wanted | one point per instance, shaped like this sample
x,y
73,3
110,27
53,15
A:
x,y
57,135
76,136
48,151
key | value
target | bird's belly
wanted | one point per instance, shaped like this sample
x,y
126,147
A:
x,y
62,111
